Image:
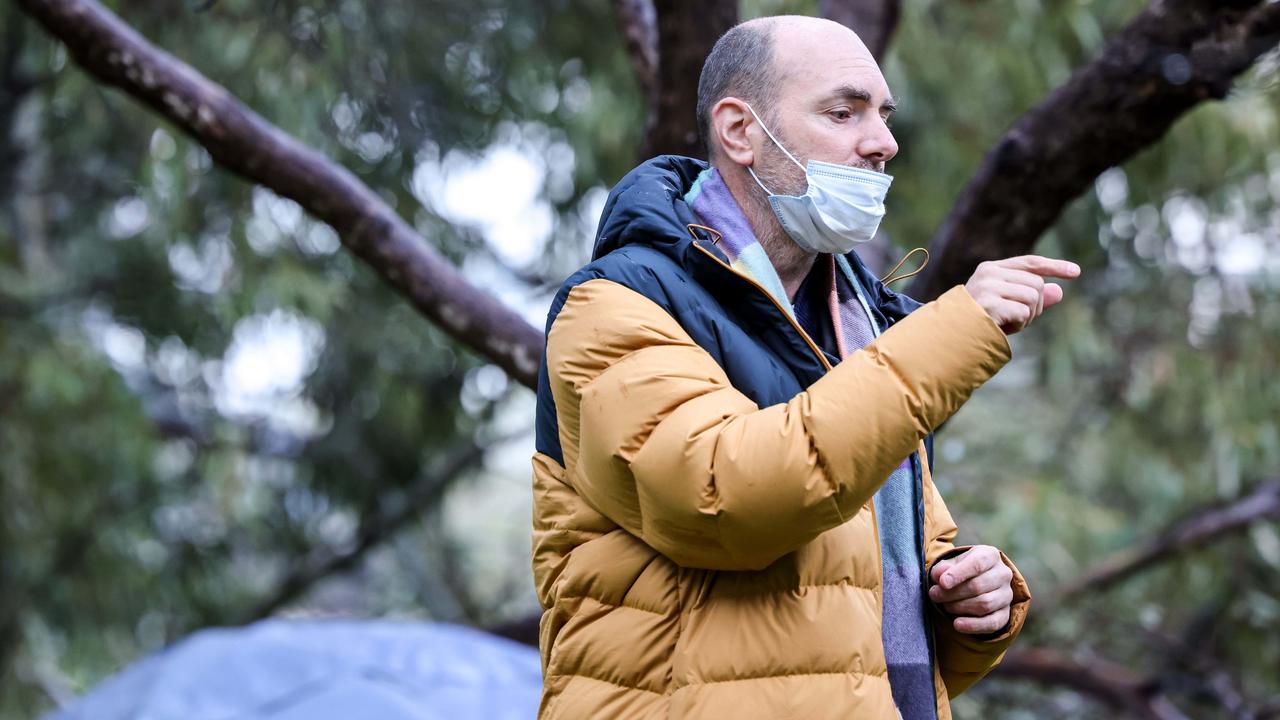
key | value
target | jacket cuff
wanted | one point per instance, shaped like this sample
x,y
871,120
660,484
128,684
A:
x,y
984,325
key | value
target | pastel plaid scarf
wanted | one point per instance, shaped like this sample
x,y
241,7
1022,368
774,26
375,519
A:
x,y
904,628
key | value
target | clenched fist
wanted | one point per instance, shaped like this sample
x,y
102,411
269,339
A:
x,y
1013,291
974,587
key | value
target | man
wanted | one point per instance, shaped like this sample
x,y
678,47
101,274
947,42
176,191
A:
x,y
734,514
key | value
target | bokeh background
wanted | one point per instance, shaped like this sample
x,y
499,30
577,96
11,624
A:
x,y
211,412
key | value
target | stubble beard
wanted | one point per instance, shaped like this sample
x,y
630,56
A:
x,y
783,177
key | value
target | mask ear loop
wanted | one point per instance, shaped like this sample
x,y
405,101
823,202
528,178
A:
x,y
774,139
714,232
889,276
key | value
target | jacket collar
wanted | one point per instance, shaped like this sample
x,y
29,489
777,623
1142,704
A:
x,y
647,206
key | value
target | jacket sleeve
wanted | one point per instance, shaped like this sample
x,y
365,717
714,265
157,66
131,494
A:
x,y
656,438
964,659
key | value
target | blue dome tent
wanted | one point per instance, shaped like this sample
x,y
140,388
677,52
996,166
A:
x,y
324,670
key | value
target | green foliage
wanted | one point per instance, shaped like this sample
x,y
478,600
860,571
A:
x,y
146,490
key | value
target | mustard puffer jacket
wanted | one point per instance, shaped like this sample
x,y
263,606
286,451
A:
x,y
705,548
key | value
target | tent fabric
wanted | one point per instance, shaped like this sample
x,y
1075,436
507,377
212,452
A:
x,y
322,670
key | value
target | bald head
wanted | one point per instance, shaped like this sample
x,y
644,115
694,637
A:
x,y
799,36
755,58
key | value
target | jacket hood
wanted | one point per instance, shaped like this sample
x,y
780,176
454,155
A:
x,y
648,205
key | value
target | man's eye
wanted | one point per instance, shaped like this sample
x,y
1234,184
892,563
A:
x,y
841,114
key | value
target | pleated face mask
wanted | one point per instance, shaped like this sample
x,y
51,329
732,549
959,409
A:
x,y
840,210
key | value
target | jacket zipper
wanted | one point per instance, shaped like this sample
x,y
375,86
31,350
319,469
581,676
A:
x,y
803,335
915,458
918,466
875,524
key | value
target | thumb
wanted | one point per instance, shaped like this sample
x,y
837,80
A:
x,y
1052,294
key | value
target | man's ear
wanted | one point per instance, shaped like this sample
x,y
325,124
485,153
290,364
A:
x,y
730,120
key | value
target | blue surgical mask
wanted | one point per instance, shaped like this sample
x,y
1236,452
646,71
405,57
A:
x,y
841,209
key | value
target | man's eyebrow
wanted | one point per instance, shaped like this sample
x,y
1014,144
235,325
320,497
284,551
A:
x,y
852,92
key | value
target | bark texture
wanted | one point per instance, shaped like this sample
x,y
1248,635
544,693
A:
x,y
667,41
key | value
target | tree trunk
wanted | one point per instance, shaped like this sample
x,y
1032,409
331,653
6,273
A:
x,y
873,20
686,32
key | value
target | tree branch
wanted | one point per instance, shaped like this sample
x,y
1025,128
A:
x,y
245,143
686,33
1191,532
873,20
1115,685
374,530
1174,55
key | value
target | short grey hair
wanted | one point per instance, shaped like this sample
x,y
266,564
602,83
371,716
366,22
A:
x,y
740,65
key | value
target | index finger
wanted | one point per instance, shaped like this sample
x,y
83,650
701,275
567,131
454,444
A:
x,y
940,567
969,565
1043,266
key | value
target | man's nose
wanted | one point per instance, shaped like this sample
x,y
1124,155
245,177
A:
x,y
878,146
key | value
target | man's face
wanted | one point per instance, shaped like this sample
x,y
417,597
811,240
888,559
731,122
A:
x,y
832,105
